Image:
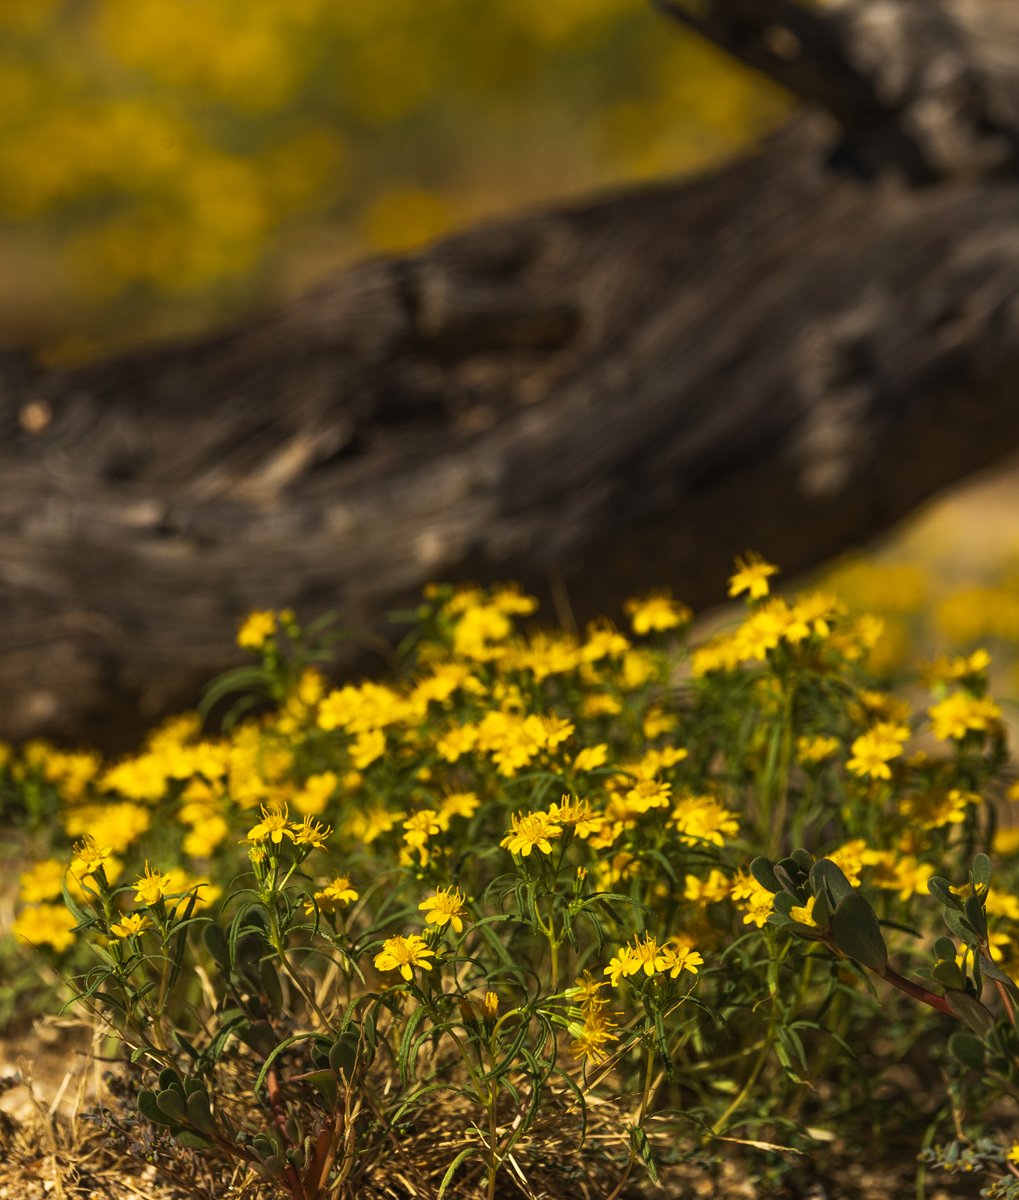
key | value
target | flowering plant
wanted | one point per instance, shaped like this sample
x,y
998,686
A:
x,y
538,881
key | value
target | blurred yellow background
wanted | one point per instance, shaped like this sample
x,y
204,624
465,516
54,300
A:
x,y
167,164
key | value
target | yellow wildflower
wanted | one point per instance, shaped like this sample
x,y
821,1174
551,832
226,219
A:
x,y
647,794
336,893
591,757
45,925
681,959
446,905
873,750
44,881
368,745
312,798
751,576
656,613
530,830
815,749
404,953
417,829
130,925
755,900
273,825
577,813
256,630
151,887
311,833
804,913
703,819
90,855
594,1036
707,891
205,836
959,713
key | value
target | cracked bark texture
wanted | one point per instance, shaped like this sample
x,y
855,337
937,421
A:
x,y
787,354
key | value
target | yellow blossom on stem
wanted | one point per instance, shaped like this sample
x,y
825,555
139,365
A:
x,y
417,829
656,613
273,825
256,630
751,576
152,886
130,925
872,751
644,955
530,830
804,913
336,893
815,749
90,855
591,757
576,813
311,833
446,906
960,713
682,959
404,953
594,1037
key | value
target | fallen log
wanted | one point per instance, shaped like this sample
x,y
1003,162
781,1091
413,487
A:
x,y
787,354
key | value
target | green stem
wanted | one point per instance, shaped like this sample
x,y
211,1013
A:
x,y
645,1098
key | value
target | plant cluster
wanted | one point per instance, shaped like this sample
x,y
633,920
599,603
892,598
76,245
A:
x,y
535,877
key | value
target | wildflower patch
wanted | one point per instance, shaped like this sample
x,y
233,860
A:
x,y
715,893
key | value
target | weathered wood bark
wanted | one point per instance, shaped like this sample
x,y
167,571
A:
x,y
787,354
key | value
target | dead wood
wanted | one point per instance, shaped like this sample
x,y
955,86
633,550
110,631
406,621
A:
x,y
786,354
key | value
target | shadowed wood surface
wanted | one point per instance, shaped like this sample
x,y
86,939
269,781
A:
x,y
787,354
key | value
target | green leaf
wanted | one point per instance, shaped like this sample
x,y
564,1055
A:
x,y
969,1008
969,1050
324,1082
803,859
217,945
199,1112
856,931
193,1141
171,1102
944,947
149,1109
169,1078
788,877
826,876
764,873
269,985
975,915
981,872
276,1052
642,1147
958,924
822,911
949,974
941,890
408,1043
993,971
453,1167
343,1053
